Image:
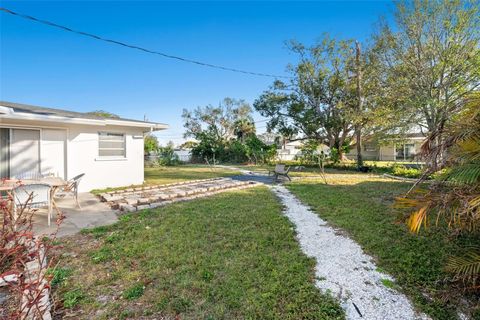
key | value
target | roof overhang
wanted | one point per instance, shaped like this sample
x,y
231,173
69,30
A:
x,y
9,113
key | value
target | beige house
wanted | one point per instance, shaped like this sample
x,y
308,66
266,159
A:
x,y
406,149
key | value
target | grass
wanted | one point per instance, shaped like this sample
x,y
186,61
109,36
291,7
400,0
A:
x,y
174,174
298,169
230,256
361,204
164,175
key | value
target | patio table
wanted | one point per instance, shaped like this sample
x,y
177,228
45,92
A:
x,y
55,183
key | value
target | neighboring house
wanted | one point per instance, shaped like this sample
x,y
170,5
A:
x,y
184,155
37,140
289,150
405,149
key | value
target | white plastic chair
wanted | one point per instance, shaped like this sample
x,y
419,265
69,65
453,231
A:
x,y
40,194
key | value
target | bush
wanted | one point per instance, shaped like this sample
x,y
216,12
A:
x,y
235,152
167,156
19,247
402,171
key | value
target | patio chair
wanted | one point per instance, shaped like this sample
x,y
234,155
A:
x,y
29,175
280,170
71,188
40,197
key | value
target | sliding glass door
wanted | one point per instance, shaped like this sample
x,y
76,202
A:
x,y
24,153
19,153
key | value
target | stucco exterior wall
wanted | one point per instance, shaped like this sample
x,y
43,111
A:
x,y
53,145
367,155
82,157
387,152
67,150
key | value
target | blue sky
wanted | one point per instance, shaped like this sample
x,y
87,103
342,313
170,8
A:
x,y
45,66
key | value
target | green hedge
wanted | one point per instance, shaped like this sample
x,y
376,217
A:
x,y
396,169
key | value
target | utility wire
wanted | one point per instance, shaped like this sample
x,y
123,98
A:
x,y
86,34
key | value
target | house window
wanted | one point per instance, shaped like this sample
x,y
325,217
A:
x,y
404,151
369,147
409,151
111,144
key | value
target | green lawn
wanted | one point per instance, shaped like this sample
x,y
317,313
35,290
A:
x,y
164,175
362,205
230,256
173,174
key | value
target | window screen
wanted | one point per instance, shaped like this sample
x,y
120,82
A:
x,y
111,144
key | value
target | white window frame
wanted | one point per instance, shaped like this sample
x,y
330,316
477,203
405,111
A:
x,y
404,148
114,157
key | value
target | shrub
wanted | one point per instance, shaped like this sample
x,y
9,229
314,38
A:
x,y
402,171
19,247
167,156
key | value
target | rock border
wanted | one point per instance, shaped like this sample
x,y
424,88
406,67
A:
x,y
141,198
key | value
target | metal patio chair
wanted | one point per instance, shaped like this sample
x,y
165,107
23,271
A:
x,y
71,188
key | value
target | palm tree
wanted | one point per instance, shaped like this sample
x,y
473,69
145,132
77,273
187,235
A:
x,y
455,196
243,128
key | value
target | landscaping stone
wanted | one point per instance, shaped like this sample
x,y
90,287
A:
x,y
113,198
134,199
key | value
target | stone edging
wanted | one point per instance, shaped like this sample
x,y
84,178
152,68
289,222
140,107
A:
x,y
135,199
188,198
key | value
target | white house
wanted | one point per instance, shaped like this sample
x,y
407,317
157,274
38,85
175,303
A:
x,y
289,150
44,140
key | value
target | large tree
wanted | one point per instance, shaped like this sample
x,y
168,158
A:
x,y
219,122
317,102
431,60
213,127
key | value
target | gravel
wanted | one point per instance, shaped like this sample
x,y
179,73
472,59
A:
x,y
343,269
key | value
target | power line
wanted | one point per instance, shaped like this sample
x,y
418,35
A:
x,y
86,34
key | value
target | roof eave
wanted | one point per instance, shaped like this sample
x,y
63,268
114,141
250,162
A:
x,y
9,113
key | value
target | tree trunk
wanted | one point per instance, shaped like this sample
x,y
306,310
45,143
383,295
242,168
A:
x,y
358,125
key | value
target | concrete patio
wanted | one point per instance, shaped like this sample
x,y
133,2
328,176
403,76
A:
x,y
94,213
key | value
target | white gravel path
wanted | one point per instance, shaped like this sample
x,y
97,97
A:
x,y
343,269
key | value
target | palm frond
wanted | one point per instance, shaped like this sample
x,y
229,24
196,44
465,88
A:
x,y
417,218
475,202
467,267
465,174
402,202
469,148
